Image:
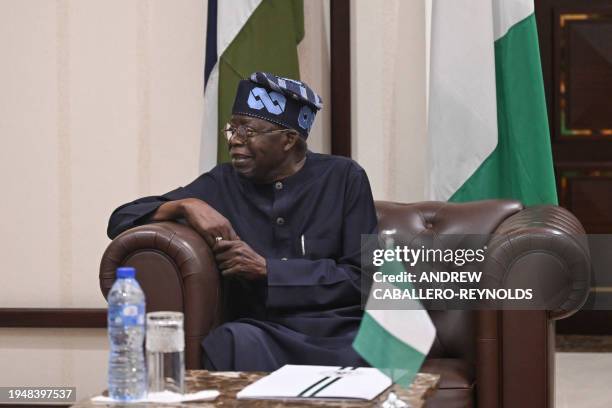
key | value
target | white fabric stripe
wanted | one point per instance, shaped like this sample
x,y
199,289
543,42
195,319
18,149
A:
x,y
462,117
231,17
413,327
507,13
209,139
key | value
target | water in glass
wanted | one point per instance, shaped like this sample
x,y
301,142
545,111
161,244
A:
x,y
165,346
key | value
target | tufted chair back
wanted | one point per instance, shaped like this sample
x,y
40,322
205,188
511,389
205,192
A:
x,y
456,329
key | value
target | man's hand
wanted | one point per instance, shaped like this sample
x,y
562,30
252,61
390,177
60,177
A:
x,y
202,217
207,221
237,258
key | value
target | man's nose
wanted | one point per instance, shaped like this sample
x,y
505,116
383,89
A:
x,y
236,140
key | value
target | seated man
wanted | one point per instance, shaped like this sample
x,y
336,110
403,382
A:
x,y
285,227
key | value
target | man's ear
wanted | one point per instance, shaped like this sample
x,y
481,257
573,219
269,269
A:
x,y
291,137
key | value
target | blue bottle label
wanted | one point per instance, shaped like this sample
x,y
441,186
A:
x,y
126,315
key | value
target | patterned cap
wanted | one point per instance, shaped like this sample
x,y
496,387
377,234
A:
x,y
286,102
290,87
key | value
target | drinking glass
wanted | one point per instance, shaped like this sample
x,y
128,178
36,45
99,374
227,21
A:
x,y
165,347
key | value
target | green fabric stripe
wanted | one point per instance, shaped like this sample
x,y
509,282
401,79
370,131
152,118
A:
x,y
267,42
298,19
521,165
390,355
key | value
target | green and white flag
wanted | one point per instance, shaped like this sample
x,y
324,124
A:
x,y
488,138
395,341
242,37
487,120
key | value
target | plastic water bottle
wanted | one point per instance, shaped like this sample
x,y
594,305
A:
x,y
127,379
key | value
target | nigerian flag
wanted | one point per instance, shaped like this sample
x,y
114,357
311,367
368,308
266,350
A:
x,y
244,36
395,341
488,128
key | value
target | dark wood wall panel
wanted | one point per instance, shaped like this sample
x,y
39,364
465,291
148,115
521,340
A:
x,y
589,74
53,318
340,43
576,51
582,70
589,197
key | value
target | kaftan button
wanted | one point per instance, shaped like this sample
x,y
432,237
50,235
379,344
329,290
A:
x,y
278,185
280,221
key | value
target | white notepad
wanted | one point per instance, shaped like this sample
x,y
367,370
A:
x,y
307,381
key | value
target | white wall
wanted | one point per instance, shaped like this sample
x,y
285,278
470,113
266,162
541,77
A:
x,y
388,96
55,357
315,69
101,103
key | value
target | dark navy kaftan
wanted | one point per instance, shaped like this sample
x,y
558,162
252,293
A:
x,y
308,309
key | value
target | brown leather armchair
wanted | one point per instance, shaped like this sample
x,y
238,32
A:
x,y
485,358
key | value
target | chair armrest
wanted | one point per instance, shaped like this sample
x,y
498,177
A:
x,y
176,271
543,247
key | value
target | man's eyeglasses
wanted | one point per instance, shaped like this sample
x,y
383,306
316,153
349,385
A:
x,y
244,133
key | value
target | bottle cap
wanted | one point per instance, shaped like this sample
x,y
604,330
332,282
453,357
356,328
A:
x,y
125,272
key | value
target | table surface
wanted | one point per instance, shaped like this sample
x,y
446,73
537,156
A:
x,y
229,383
